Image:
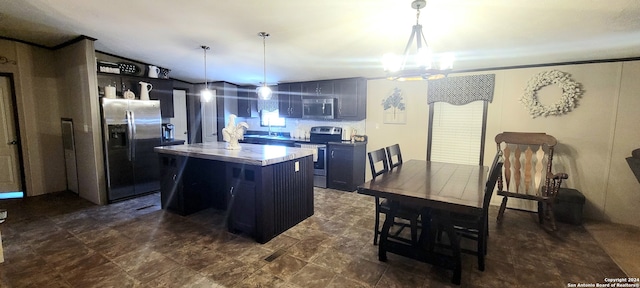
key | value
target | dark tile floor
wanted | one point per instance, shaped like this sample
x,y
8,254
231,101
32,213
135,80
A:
x,y
60,240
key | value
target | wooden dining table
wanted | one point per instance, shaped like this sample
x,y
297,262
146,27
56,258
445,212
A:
x,y
443,188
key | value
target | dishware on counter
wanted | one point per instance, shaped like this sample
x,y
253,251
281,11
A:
x,y
168,131
110,91
154,71
164,73
144,90
129,95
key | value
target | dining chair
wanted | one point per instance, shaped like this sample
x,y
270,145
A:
x,y
379,164
476,226
528,162
394,156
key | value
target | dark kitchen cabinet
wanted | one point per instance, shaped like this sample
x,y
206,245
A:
x,y
290,100
241,187
162,89
247,102
322,88
351,96
346,165
188,185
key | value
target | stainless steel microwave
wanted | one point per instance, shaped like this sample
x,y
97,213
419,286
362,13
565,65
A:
x,y
318,108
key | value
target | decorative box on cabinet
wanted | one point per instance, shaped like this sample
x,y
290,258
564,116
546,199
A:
x,y
290,100
346,165
247,102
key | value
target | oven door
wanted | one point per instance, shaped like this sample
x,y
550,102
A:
x,y
320,166
320,162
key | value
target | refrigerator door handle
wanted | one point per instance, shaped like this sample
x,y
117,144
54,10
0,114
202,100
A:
x,y
129,135
134,137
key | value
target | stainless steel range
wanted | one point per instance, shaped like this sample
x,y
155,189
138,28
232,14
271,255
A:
x,y
318,138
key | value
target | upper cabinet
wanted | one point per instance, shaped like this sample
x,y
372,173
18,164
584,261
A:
x,y
162,89
350,95
322,88
247,102
290,100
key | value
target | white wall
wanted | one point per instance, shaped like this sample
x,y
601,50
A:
x,y
594,139
37,98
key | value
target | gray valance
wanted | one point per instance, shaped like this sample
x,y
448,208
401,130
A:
x,y
461,90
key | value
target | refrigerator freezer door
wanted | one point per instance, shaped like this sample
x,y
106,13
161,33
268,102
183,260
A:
x,y
116,142
147,135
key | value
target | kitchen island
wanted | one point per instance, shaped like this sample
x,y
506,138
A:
x,y
264,189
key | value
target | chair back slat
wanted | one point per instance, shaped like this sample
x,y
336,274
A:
x,y
517,165
393,151
526,164
378,162
507,167
539,167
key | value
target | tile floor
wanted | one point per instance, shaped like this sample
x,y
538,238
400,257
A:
x,y
60,240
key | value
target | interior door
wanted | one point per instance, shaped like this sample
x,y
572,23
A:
x,y
209,120
10,180
179,119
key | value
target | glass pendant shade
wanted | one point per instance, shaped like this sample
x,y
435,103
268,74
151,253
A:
x,y
264,92
206,95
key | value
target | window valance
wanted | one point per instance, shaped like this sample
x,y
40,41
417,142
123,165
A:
x,y
461,90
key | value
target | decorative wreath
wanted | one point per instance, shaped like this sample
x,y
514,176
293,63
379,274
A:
x,y
570,93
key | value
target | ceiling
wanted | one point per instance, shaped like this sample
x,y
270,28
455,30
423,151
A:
x,y
312,40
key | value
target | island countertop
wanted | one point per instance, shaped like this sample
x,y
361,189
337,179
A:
x,y
251,154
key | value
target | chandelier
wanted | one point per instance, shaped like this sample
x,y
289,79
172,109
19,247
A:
x,y
421,64
264,92
206,94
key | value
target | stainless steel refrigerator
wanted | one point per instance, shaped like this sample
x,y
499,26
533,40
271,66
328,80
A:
x,y
132,128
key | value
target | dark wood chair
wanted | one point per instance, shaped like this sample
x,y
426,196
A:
x,y
476,226
379,164
394,156
528,164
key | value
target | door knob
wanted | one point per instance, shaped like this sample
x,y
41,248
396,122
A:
x,y
14,142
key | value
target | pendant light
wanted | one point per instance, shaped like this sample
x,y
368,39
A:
x,y
264,92
206,95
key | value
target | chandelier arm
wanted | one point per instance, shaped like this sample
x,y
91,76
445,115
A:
x,y
423,38
405,55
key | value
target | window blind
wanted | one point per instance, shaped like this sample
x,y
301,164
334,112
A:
x,y
457,132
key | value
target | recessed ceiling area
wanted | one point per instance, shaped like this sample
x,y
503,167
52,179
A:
x,y
313,40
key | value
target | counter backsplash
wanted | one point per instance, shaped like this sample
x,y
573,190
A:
x,y
293,124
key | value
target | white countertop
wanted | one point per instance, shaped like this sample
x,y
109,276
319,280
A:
x,y
251,154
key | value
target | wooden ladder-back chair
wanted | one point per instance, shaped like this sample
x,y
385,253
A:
x,y
379,164
476,226
528,164
393,151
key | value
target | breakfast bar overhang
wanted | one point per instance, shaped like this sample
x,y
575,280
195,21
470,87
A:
x,y
264,189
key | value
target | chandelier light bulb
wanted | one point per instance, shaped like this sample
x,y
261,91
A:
x,y
391,62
